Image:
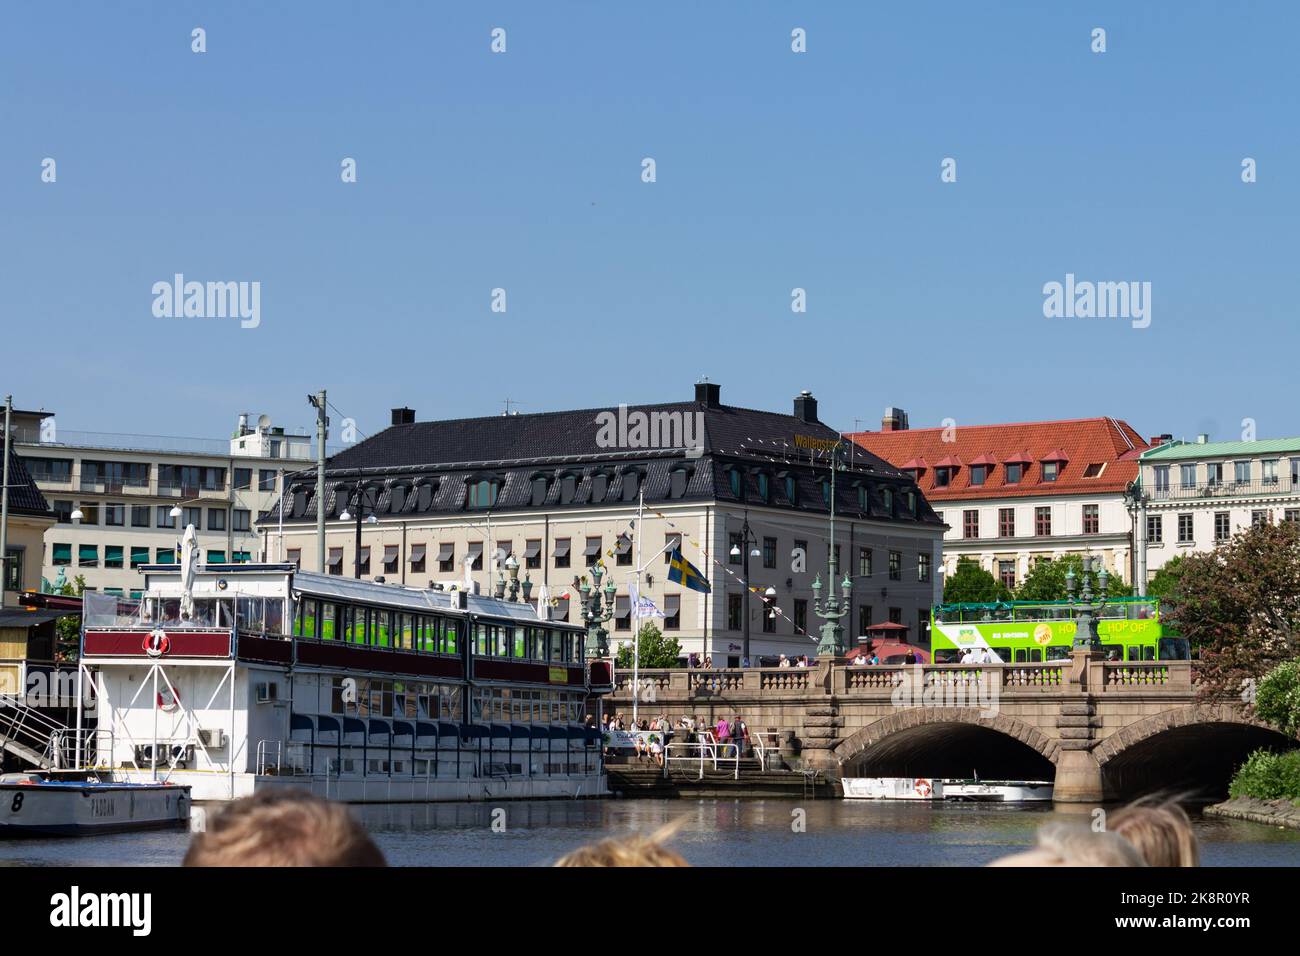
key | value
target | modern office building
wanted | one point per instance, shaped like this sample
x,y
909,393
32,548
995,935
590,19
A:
x,y
1196,495
1013,494
114,496
560,491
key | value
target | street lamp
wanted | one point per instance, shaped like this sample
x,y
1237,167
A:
x,y
357,499
836,608
1085,631
513,586
746,540
593,613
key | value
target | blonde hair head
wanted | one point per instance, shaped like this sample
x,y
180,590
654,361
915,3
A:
x,y
1162,833
634,850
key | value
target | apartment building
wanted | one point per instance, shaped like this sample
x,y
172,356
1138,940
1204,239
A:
x,y
122,501
1197,494
433,501
1017,493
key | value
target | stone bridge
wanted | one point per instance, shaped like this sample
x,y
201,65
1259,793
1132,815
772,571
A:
x,y
1101,730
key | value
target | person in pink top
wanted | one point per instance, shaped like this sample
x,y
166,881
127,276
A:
x,y
723,733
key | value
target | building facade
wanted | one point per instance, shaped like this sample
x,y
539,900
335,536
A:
x,y
560,492
1014,494
113,497
1196,495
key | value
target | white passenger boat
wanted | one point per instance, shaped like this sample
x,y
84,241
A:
x,y
233,678
892,788
997,791
37,804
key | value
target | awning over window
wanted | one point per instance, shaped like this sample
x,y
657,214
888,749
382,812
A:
x,y
390,553
533,549
166,556
592,548
622,607
445,551
138,555
335,558
88,552
417,553
476,549
63,552
624,544
562,548
216,557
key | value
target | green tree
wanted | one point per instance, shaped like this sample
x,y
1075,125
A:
x,y
1277,698
971,584
656,649
67,630
1046,580
1239,605
1165,581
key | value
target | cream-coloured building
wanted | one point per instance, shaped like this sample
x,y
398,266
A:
x,y
559,491
113,497
1196,495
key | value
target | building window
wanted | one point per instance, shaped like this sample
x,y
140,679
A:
x,y
474,554
895,565
61,554
446,557
89,512
63,512
483,494
769,552
1258,518
887,495
561,553
1014,472
216,519
735,552
241,519
1187,476
923,567
1043,521
978,473
791,490
1094,469
1222,526
266,479
895,615
736,481
1091,519
864,562
970,523
622,613
592,552
165,519
672,542
1291,514
942,477
419,554
1051,470
216,557
538,486
864,618
631,485
1155,529
165,556
672,612
192,516
1214,474
88,556
735,610
1269,467
243,478
764,487
533,553
1241,472
1161,474
390,558
1185,529
800,615
115,515
294,556
599,487
140,516
113,556
363,563
334,561
1006,522
1007,574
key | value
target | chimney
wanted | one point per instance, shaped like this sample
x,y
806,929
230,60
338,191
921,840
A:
x,y
895,420
708,394
805,406
403,416
1202,439
1157,440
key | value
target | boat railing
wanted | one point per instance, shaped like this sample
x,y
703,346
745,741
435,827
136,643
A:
x,y
95,743
26,731
706,749
269,757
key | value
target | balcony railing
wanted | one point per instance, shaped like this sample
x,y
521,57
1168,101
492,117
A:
x,y
1227,489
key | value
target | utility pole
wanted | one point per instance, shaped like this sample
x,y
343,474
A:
x,y
322,430
4,503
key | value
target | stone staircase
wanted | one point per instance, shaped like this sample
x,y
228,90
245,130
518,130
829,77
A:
x,y
28,734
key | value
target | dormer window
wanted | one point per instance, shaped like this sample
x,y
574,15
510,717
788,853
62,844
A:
x,y
864,497
1094,470
1051,470
736,481
764,487
1014,472
397,498
942,477
978,474
568,488
599,487
888,496
538,489
631,484
790,486
826,491
424,497
483,493
677,480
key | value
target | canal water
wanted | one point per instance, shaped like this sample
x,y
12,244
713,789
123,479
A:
x,y
716,832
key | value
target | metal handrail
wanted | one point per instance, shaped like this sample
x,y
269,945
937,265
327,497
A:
x,y
261,756
762,748
706,749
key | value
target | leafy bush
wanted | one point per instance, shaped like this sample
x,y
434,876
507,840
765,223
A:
x,y
656,649
1277,698
1268,776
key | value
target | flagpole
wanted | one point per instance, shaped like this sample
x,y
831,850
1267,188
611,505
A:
x,y
636,611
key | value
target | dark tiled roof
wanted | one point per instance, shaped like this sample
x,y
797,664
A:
x,y
24,496
517,449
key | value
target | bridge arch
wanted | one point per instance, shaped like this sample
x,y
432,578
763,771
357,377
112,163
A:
x,y
1191,749
925,738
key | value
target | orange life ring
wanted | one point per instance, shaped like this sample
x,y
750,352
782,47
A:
x,y
156,643
923,787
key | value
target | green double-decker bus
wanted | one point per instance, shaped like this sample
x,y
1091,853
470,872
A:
x,y
1022,632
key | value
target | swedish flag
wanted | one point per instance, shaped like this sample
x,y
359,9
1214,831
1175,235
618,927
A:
x,y
686,574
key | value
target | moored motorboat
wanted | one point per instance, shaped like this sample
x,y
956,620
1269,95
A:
x,y
50,804
997,791
892,788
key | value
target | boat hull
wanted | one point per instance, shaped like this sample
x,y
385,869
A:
x,y
925,789
82,809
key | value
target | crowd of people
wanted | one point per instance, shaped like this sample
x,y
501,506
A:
x,y
293,828
652,734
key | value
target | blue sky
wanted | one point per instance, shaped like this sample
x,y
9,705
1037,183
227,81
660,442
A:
x,y
775,170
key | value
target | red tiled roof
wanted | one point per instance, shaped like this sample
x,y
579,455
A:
x,y
1077,443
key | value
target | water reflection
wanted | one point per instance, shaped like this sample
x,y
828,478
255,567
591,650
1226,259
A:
x,y
716,833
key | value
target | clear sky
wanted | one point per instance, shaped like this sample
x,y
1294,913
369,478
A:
x,y
775,170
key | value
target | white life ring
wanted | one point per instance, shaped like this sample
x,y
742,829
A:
x,y
157,643
923,788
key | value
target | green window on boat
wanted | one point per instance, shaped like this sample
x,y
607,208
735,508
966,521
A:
x,y
328,622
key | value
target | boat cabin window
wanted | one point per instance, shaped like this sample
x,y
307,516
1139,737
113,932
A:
x,y
1058,652
304,622
947,655
1025,655
1112,652
1174,649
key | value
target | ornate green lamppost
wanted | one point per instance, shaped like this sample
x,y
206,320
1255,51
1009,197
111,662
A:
x,y
594,614
832,643
1088,611
510,588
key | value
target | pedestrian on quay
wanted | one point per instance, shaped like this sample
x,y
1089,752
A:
x,y
740,734
723,732
783,662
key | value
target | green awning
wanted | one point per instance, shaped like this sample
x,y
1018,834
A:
x,y
139,556
166,556
88,552
112,551
216,557
242,557
62,552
